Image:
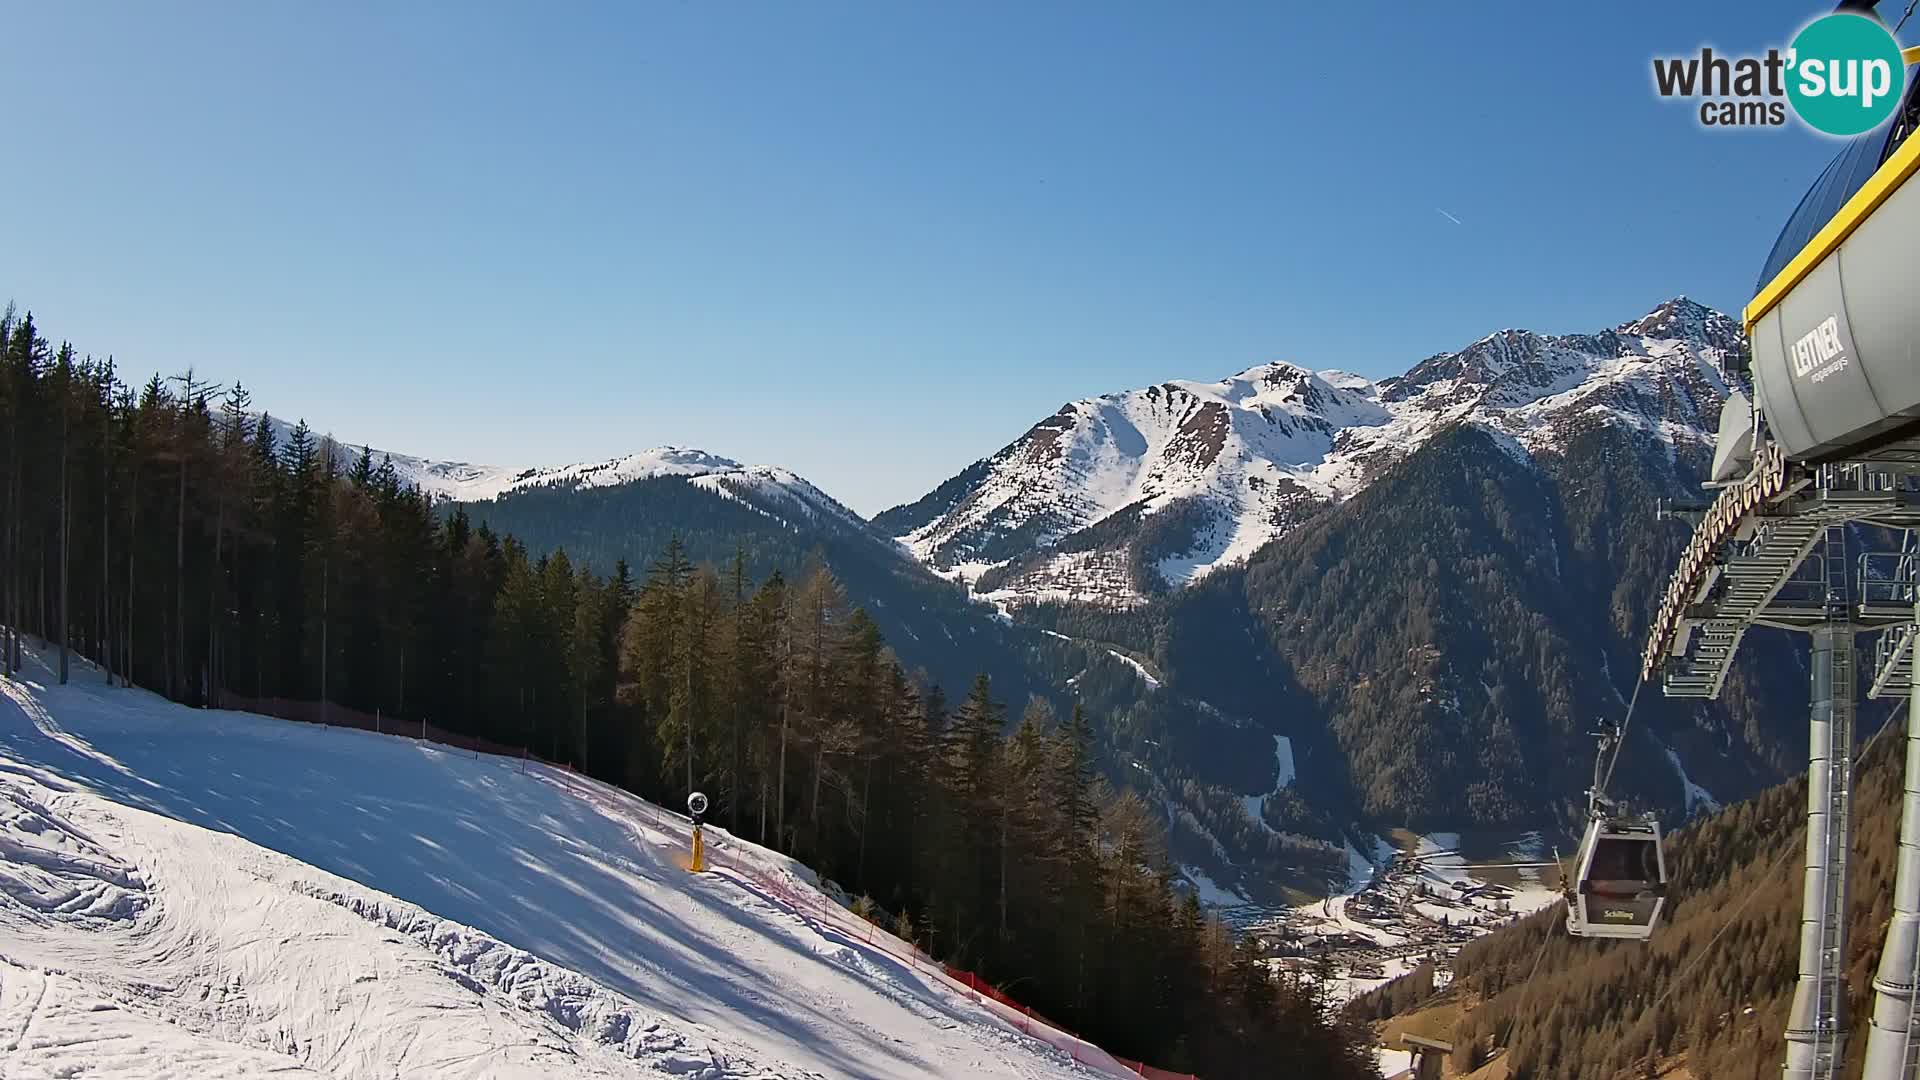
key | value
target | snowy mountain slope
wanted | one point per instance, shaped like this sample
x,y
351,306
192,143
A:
x,y
460,481
190,893
1115,497
757,485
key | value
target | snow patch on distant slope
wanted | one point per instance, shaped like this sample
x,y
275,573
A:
x,y
1361,868
1441,864
1139,668
1698,798
1283,762
1211,894
1256,805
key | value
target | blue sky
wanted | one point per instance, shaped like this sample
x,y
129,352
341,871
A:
x,y
871,242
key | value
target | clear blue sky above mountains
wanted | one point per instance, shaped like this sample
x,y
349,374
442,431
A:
x,y
871,242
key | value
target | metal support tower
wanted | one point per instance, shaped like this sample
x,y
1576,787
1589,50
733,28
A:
x,y
1743,568
1816,1028
1893,1053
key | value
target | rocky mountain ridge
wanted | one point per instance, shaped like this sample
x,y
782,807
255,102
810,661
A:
x,y
1117,498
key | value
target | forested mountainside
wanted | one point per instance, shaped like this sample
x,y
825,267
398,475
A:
x,y
1432,642
1462,672
170,534
1441,644
932,625
1173,747
1445,636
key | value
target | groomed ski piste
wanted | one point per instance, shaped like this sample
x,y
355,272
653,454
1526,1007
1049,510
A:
x,y
208,894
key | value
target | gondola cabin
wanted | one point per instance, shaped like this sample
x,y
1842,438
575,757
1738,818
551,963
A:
x,y
1620,881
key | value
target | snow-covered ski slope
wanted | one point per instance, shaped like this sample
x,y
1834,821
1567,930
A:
x,y
217,894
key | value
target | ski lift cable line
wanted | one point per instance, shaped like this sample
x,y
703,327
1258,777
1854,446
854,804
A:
x,y
1679,977
1620,738
1526,985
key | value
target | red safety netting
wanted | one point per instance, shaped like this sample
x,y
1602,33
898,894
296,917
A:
x,y
314,712
812,903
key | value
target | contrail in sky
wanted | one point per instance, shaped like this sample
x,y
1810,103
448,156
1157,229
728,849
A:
x,y
1448,216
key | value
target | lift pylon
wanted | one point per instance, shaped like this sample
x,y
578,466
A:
x,y
1817,1024
1893,1050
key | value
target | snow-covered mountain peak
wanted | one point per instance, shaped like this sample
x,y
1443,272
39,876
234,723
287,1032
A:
x,y
1113,497
1274,375
677,460
625,469
1685,318
1278,384
1234,455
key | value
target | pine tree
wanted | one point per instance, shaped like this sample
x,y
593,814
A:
x,y
661,657
819,614
63,391
586,658
515,646
968,759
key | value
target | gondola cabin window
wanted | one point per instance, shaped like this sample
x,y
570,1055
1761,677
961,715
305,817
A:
x,y
1622,867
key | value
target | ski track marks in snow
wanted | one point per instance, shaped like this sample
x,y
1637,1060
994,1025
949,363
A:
x,y
193,893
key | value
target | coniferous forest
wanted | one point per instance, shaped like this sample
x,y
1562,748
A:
x,y
166,534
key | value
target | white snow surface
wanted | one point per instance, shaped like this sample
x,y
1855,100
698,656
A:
x,y
1345,986
216,894
1442,867
1211,894
1252,456
1362,867
1283,762
1440,861
1359,869
1256,805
